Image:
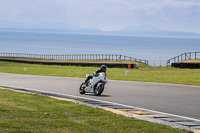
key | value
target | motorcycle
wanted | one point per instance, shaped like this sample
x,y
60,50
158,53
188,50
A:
x,y
95,85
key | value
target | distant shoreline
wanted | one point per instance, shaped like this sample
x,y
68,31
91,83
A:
x,y
103,33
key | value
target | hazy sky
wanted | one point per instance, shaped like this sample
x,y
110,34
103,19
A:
x,y
181,15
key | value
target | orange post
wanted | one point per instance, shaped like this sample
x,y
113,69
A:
x,y
129,66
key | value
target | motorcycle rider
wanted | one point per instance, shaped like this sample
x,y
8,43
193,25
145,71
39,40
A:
x,y
103,68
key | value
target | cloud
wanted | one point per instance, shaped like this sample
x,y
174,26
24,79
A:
x,y
29,11
105,14
123,6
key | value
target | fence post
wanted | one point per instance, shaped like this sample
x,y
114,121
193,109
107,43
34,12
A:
x,y
195,55
181,57
185,56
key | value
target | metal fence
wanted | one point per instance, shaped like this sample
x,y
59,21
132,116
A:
x,y
184,56
74,57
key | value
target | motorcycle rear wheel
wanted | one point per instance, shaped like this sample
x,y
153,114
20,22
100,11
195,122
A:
x,y
82,88
99,90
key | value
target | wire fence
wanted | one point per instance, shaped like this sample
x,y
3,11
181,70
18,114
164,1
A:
x,y
74,57
182,57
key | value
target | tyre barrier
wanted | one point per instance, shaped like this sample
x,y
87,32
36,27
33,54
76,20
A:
x,y
110,65
186,65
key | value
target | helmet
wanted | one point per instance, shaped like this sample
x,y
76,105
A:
x,y
103,68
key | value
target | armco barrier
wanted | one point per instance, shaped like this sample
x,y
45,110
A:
x,y
186,65
110,65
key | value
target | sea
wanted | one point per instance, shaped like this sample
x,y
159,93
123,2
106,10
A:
x,y
157,50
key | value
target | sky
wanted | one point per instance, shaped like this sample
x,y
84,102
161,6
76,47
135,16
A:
x,y
176,15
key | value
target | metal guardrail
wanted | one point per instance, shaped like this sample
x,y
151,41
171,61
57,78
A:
x,y
74,57
182,57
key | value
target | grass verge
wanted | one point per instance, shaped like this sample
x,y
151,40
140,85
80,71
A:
x,y
150,74
21,112
191,61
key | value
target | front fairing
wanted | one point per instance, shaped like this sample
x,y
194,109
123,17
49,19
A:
x,y
103,77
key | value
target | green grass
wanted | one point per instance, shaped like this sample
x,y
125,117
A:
x,y
150,74
20,112
191,61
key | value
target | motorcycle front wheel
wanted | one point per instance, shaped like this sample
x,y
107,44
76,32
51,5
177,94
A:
x,y
82,88
99,90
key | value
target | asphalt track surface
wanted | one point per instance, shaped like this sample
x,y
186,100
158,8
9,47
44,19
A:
x,y
183,100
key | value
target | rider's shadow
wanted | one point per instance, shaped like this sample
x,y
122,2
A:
x,y
105,96
99,96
